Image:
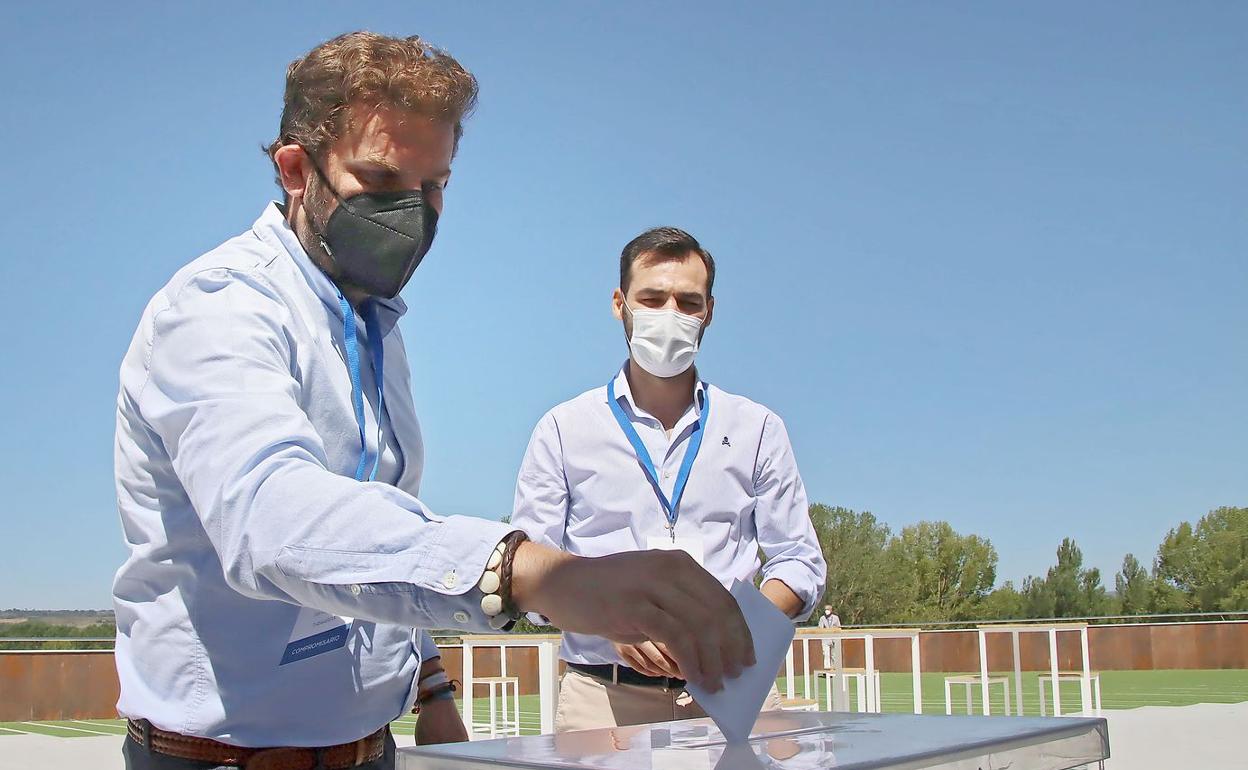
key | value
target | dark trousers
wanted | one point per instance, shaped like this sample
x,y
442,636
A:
x,y
139,758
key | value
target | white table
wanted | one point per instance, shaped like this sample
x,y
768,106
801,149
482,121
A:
x,y
868,636
791,740
1014,629
547,669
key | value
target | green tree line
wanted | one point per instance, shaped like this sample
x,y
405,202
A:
x,y
39,629
930,572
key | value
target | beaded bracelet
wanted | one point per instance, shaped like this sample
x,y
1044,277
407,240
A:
x,y
496,583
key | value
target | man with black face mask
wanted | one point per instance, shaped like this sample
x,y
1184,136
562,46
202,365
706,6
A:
x,y
379,237
268,462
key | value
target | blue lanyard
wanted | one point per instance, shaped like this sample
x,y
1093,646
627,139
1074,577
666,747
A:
x,y
670,509
353,365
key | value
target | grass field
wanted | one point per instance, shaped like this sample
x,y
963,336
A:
x,y
1119,690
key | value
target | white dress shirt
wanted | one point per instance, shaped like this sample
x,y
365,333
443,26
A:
x,y
236,449
582,489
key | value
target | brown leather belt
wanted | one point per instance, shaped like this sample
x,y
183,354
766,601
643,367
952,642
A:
x,y
615,673
345,755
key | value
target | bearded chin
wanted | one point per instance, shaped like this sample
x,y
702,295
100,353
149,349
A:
x,y
315,220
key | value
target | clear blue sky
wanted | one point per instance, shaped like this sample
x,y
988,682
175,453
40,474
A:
x,y
989,263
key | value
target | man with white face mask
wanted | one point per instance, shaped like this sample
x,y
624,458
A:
x,y
660,459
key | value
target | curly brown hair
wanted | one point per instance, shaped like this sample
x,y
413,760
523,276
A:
x,y
362,71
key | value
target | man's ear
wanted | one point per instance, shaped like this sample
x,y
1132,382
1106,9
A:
x,y
293,169
710,312
617,304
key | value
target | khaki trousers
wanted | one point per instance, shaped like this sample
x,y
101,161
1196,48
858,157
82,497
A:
x,y
586,703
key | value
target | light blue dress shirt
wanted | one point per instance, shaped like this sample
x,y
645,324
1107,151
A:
x,y
581,489
236,449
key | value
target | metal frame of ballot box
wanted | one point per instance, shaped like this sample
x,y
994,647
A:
x,y
793,740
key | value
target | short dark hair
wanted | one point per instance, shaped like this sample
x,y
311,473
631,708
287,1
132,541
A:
x,y
662,244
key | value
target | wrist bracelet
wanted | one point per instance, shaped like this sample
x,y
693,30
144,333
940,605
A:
x,y
444,691
496,583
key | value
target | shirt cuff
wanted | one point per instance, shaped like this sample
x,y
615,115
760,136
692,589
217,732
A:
x,y
441,592
464,549
797,577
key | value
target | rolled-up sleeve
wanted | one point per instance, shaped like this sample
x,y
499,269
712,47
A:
x,y
782,519
222,396
428,649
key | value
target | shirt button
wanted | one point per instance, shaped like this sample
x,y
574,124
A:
x,y
450,580
355,589
461,617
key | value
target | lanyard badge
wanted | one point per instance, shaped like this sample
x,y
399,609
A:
x,y
373,327
671,509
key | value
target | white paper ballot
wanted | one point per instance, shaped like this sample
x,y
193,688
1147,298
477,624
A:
x,y
735,707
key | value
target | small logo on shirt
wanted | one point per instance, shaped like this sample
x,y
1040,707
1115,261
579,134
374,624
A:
x,y
725,442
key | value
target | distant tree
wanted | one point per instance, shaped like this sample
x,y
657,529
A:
x,y
1067,590
1175,567
1094,600
1003,603
1063,580
942,575
1133,587
1038,599
1205,568
860,586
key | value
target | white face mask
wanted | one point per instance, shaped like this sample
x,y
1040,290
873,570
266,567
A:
x,y
664,342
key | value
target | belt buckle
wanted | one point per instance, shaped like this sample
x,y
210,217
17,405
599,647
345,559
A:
x,y
615,673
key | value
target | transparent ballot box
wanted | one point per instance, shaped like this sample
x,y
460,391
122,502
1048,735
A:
x,y
794,739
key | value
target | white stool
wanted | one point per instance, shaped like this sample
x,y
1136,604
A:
x,y
866,687
500,723
1071,676
799,704
970,681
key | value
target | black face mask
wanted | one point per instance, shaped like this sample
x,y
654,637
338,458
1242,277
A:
x,y
376,240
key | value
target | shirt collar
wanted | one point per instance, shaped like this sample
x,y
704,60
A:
x,y
273,229
624,394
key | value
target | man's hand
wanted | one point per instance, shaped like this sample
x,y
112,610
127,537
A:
x,y
640,596
439,722
648,658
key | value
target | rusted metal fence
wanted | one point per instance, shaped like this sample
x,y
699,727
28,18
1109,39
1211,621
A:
x,y
60,684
